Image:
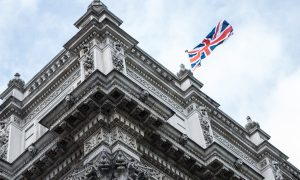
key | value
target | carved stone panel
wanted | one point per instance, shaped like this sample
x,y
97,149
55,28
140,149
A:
x,y
118,57
87,60
119,135
110,138
95,140
3,140
205,125
116,166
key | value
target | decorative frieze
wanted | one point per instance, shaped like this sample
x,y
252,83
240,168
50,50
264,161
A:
x,y
119,135
118,165
153,89
110,138
52,96
95,140
233,148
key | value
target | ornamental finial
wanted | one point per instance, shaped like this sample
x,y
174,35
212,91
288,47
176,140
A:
x,y
251,124
17,82
96,4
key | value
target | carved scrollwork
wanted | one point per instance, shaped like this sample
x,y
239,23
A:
x,y
117,58
3,140
88,60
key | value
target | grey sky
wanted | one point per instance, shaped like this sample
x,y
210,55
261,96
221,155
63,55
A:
x,y
256,72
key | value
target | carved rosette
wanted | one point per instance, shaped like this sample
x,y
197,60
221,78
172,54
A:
x,y
3,140
205,125
118,57
277,171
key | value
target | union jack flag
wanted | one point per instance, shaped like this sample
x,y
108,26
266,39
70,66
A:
x,y
216,37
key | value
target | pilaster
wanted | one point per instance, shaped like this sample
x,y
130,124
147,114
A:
x,y
14,148
199,127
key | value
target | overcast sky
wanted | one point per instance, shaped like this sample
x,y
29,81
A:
x,y
256,72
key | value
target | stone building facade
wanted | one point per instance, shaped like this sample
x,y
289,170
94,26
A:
x,y
105,109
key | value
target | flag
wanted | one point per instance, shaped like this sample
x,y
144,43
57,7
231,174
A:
x,y
216,37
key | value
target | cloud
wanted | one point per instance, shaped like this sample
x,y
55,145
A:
x,y
281,118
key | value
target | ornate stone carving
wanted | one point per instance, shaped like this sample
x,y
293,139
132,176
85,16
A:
x,y
17,82
120,160
239,163
117,58
94,141
205,125
276,170
251,124
183,71
118,135
32,150
69,99
115,166
88,60
3,140
103,161
183,139
144,95
263,163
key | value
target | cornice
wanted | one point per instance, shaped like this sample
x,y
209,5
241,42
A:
x,y
241,142
50,94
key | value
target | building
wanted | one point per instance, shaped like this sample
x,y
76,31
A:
x,y
104,109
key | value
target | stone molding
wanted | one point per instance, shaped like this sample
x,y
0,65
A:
x,y
52,96
150,87
150,63
47,73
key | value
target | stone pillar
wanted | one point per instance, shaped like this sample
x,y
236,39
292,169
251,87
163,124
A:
x,y
199,128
